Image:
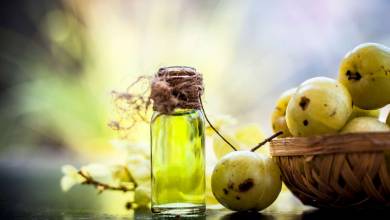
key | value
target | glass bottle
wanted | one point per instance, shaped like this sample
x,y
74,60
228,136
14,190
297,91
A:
x,y
178,162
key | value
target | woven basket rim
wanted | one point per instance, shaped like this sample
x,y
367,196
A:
x,y
330,144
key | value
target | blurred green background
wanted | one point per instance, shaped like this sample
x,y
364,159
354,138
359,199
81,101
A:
x,y
60,60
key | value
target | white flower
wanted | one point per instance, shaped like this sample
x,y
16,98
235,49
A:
x,y
70,178
120,174
99,172
142,195
139,167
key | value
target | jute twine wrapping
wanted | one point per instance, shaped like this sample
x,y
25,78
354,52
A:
x,y
337,171
176,87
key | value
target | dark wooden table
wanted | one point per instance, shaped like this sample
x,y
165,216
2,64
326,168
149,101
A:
x,y
32,192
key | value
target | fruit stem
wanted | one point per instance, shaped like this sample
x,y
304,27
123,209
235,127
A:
x,y
267,140
211,125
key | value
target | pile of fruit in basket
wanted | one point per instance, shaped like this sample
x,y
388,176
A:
x,y
349,104
244,180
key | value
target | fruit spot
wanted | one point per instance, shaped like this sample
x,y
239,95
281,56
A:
x,y
230,185
238,198
353,76
305,122
325,105
225,191
129,205
304,102
333,113
246,185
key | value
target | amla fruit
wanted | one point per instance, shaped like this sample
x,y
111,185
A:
x,y
365,124
245,180
320,105
358,112
278,118
365,71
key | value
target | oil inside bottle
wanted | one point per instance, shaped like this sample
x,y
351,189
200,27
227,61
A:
x,y
178,162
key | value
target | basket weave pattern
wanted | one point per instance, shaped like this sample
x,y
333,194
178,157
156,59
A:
x,y
336,171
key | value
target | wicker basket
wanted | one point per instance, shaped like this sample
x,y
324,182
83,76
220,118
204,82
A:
x,y
336,171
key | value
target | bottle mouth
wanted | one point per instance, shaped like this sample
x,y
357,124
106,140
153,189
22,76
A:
x,y
176,87
177,71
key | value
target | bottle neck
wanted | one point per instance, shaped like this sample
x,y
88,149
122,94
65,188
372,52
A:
x,y
176,112
179,111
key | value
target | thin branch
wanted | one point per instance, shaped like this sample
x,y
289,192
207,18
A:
x,y
103,186
131,178
267,140
211,125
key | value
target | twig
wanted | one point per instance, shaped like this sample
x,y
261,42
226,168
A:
x,y
131,178
267,140
211,125
103,186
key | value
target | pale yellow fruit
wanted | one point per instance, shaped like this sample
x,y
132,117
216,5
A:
x,y
272,182
142,195
245,180
320,105
358,112
278,117
365,124
365,71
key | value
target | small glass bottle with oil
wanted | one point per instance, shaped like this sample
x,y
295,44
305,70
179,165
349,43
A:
x,y
178,157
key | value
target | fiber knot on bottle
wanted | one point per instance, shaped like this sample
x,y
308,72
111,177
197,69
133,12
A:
x,y
176,87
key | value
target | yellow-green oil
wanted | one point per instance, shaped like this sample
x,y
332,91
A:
x,y
178,162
